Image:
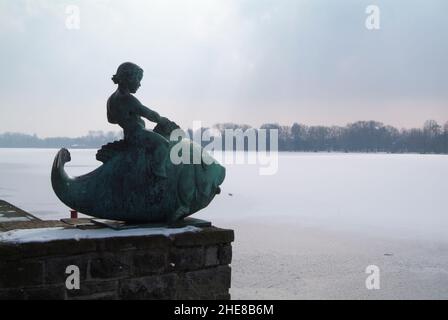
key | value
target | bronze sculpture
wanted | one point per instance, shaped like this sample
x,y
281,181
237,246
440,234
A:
x,y
137,181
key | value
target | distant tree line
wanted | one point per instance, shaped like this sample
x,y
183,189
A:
x,y
94,139
361,136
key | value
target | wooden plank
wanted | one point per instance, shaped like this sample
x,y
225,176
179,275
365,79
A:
x,y
32,224
121,225
11,213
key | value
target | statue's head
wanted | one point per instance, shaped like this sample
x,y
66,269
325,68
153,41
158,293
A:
x,y
128,76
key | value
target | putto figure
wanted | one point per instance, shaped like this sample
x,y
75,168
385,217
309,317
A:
x,y
137,181
126,110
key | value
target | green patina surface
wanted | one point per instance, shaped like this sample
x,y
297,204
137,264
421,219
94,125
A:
x,y
138,181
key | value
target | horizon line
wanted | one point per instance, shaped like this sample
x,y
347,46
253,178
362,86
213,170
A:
x,y
118,131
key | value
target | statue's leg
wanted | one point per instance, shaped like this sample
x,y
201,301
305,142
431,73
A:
x,y
159,161
159,149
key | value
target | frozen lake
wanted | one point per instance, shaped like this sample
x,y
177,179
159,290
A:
x,y
308,231
380,194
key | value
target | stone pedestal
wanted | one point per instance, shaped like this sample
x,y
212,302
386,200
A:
x,y
186,265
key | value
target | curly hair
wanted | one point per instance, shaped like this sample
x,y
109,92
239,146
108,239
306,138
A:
x,y
126,72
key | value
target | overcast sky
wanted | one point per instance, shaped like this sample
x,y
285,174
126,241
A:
x,y
244,61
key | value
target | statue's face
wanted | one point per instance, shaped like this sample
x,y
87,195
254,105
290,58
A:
x,y
133,86
134,82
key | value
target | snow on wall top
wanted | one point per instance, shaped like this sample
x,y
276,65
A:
x,y
49,234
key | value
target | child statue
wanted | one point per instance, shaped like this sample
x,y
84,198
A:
x,y
127,111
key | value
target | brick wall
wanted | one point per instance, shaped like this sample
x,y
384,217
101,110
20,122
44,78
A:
x,y
191,265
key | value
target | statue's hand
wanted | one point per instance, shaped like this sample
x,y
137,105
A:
x,y
165,127
163,121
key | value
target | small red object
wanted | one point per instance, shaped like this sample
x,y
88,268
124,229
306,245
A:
x,y
73,214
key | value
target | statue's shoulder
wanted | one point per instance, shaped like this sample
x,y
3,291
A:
x,y
120,96
114,99
124,99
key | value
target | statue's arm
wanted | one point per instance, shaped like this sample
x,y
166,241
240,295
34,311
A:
x,y
149,114
145,112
